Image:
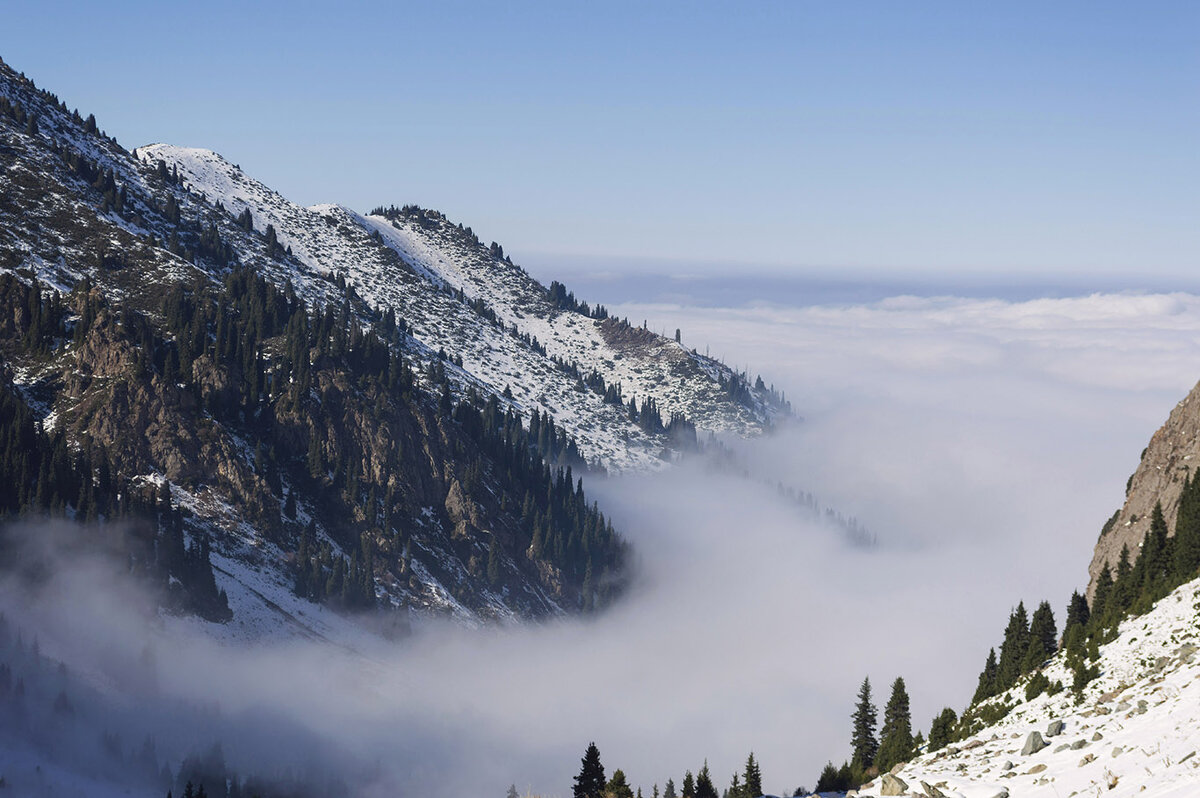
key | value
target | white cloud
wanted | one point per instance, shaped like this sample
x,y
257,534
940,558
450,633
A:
x,y
984,442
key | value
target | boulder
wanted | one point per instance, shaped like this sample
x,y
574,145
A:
x,y
931,791
1055,728
1038,768
890,785
1033,744
1075,746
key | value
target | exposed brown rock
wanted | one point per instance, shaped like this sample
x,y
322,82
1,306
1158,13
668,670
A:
x,y
1173,452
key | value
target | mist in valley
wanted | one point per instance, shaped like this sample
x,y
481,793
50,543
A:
x,y
982,442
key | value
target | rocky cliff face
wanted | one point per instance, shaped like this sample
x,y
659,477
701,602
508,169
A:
x,y
1167,462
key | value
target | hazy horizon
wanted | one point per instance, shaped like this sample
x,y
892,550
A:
x,y
888,138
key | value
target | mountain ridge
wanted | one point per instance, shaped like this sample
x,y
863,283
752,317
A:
x,y
222,314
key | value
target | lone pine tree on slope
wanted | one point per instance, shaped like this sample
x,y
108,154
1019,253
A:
x,y
863,741
896,744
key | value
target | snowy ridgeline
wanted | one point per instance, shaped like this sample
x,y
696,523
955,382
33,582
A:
x,y
1136,730
461,297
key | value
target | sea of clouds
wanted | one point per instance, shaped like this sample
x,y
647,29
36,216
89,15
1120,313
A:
x,y
982,442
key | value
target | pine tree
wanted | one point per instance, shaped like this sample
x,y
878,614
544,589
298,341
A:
x,y
1185,560
987,680
704,783
1154,563
618,786
512,792
1041,627
752,778
1012,650
590,782
941,729
1104,584
689,785
669,790
1077,612
863,741
896,741
1035,655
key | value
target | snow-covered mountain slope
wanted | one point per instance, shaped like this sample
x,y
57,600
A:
x,y
116,249
462,297
1135,731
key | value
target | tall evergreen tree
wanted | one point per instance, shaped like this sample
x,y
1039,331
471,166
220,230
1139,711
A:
x,y
1104,584
863,741
1077,612
1153,565
1041,627
987,679
1125,587
704,783
590,782
1012,650
752,778
896,740
1186,555
689,785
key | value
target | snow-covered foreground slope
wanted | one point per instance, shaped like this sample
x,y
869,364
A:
x,y
461,297
1135,732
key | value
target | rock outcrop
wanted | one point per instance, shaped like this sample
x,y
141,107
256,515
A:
x,y
1168,460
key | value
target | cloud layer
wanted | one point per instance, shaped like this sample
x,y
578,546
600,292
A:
x,y
983,442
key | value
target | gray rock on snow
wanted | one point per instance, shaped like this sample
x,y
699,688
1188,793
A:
x,y
1055,728
1033,743
890,785
931,791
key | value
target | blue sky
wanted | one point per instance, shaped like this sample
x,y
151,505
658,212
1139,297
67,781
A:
x,y
947,139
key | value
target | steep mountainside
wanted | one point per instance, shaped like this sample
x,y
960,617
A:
x,y
1134,730
1167,463
1111,703
471,301
360,411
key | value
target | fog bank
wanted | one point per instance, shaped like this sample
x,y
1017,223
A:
x,y
983,442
